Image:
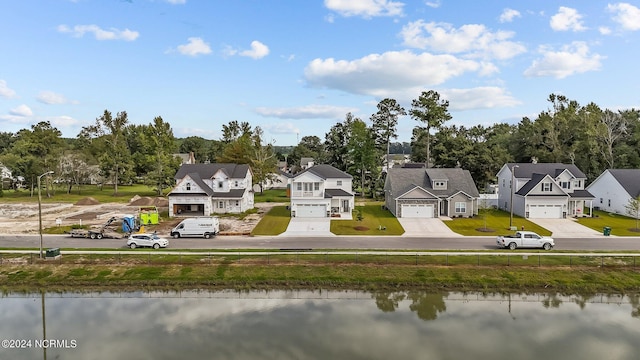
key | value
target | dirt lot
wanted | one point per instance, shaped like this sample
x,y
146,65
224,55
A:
x,y
22,218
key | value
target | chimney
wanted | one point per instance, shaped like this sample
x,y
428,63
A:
x,y
192,158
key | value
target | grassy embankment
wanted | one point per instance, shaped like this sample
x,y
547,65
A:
x,y
620,225
326,271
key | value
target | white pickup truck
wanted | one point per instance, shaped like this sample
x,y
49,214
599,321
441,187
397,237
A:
x,y
525,239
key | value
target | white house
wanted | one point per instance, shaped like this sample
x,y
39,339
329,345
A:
x,y
322,191
545,190
614,188
205,189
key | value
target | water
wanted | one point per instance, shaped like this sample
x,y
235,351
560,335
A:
x,y
319,325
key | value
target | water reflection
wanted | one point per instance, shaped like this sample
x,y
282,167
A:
x,y
323,324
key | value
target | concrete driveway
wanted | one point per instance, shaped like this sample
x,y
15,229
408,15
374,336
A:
x,y
309,227
428,227
566,228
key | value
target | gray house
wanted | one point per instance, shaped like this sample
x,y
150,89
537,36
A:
x,y
429,193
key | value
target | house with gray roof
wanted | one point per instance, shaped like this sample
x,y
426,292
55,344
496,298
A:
x,y
322,191
543,190
430,193
206,189
614,188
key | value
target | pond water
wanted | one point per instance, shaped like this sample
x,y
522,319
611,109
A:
x,y
318,325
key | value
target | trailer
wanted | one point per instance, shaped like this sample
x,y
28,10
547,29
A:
x,y
105,231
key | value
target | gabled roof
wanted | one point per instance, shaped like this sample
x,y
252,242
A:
x,y
329,193
401,180
326,172
535,180
196,179
526,170
206,171
629,179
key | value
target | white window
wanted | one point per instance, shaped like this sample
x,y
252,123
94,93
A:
x,y
577,184
600,200
236,183
299,186
220,205
609,202
188,186
237,203
316,186
219,184
546,186
566,185
339,182
461,207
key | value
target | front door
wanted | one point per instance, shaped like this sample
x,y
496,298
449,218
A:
x,y
345,206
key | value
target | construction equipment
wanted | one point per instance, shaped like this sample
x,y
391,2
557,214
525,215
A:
x,y
107,231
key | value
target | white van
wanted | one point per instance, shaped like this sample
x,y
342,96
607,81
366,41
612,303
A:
x,y
197,226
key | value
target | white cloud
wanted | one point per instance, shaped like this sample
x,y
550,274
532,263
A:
x,y
571,59
177,2
100,34
474,40
51,98
196,46
567,19
604,30
282,128
258,50
433,4
508,15
14,119
380,74
365,8
5,91
22,110
627,15
63,121
306,112
485,97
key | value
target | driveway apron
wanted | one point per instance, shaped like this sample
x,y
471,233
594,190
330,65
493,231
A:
x,y
309,227
427,227
566,228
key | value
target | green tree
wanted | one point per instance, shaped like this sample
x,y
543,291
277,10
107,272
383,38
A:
x,y
164,165
264,162
362,154
196,145
633,209
116,162
336,141
384,124
613,127
309,146
432,112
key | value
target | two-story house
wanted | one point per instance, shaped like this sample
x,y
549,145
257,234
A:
x,y
205,189
545,190
614,189
322,191
412,192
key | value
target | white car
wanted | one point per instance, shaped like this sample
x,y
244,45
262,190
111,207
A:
x,y
148,240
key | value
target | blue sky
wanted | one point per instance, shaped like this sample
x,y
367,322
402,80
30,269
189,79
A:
x,y
295,68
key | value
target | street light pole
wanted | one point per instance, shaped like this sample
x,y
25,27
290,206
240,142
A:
x,y
40,209
512,191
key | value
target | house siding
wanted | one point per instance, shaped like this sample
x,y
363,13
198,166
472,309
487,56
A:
x,y
609,195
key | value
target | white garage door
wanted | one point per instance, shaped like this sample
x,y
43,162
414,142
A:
x,y
311,211
545,211
417,211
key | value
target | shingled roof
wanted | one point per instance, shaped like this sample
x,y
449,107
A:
x,y
526,170
401,180
629,179
326,171
206,171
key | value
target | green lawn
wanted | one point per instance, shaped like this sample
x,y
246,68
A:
x,y
496,220
274,222
272,195
620,225
373,218
59,195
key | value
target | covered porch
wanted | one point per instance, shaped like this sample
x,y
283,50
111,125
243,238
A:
x,y
578,201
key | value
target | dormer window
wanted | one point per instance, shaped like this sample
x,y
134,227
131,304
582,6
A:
x,y
442,185
188,186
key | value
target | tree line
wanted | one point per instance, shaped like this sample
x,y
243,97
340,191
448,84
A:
x,y
592,138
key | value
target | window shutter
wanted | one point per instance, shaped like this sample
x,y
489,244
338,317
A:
x,y
542,187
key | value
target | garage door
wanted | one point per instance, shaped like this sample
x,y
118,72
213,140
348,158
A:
x,y
545,211
417,211
311,210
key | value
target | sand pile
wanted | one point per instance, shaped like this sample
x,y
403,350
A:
x,y
148,201
87,201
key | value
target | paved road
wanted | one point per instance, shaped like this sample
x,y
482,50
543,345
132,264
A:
x,y
318,243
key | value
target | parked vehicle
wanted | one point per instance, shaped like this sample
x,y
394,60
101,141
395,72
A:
x,y
525,239
203,226
147,240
